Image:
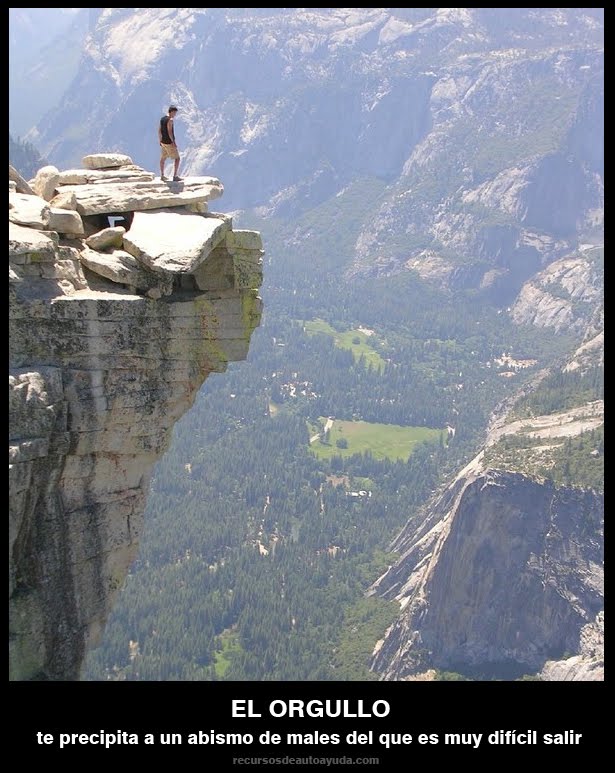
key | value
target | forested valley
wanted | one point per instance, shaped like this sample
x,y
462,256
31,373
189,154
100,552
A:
x,y
257,548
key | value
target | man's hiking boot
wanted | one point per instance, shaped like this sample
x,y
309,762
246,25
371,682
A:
x,y
177,179
163,178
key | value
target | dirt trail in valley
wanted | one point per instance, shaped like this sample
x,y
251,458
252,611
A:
x,y
328,426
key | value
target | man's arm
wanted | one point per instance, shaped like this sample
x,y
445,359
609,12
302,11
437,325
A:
x,y
171,130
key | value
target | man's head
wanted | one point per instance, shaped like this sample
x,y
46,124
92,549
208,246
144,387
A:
x,y
172,110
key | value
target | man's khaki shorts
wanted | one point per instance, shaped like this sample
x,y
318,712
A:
x,y
169,151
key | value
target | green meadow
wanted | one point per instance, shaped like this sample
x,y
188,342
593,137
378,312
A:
x,y
384,441
229,646
357,341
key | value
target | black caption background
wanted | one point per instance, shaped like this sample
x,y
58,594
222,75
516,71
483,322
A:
x,y
415,708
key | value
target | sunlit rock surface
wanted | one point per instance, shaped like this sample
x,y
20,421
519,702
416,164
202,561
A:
x,y
109,345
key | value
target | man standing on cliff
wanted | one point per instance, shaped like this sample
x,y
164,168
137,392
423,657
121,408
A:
x,y
168,146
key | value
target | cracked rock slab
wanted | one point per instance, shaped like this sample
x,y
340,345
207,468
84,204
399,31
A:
x,y
32,211
105,160
121,267
104,197
174,240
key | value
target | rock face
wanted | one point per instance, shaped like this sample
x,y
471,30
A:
x,y
559,296
108,348
588,665
505,574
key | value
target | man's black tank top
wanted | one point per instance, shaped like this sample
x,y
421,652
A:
x,y
166,140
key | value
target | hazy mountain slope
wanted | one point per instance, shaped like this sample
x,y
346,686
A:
x,y
31,29
504,573
44,52
24,157
484,124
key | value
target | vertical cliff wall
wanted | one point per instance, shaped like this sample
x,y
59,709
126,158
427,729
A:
x,y
113,330
502,577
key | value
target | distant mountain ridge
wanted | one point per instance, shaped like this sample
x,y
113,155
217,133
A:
x,y
44,53
484,125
